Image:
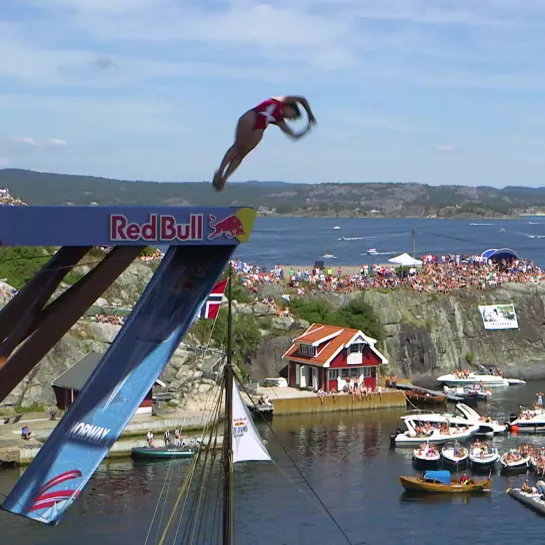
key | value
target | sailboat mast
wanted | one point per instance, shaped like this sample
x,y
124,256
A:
x,y
228,519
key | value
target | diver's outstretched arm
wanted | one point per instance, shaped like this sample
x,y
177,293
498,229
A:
x,y
288,131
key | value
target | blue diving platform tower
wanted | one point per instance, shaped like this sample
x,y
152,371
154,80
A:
x,y
200,243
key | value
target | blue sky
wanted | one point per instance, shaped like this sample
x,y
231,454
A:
x,y
430,91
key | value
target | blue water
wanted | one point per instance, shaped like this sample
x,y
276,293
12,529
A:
x,y
301,241
348,461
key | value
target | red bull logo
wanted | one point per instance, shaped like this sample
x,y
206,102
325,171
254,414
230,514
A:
x,y
238,225
159,228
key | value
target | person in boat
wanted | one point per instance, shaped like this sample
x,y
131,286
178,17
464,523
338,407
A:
x,y
149,438
539,488
251,128
539,401
464,479
167,438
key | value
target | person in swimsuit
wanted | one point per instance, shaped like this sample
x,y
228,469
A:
x,y
252,125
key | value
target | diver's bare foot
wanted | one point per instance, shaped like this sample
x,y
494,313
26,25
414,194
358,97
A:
x,y
216,182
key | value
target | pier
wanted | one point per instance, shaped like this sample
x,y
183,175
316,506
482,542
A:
x,y
16,451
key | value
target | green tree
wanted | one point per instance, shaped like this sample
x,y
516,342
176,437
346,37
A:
x,y
358,314
245,342
312,311
19,264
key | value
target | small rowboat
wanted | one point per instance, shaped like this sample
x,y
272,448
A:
x,y
156,453
483,460
454,454
422,398
440,481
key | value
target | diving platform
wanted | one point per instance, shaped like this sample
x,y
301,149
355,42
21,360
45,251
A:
x,y
200,242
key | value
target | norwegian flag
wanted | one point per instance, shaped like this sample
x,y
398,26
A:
x,y
210,309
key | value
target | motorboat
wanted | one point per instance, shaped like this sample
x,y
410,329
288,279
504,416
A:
x,y
426,455
372,251
467,417
457,379
513,460
454,454
441,481
528,421
493,370
483,457
485,423
469,393
458,429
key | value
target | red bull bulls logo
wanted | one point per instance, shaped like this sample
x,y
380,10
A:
x,y
238,225
230,226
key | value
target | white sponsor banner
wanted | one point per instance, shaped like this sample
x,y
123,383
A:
x,y
499,316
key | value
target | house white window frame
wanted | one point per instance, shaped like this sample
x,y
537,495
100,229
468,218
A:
x,y
307,349
333,374
367,372
356,348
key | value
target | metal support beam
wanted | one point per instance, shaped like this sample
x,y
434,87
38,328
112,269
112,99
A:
x,y
29,302
58,317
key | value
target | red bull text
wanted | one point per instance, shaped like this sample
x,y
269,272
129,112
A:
x,y
230,226
163,228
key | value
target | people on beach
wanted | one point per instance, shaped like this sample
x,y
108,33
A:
x,y
439,274
251,127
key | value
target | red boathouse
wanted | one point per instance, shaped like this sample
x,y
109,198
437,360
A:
x,y
326,356
71,382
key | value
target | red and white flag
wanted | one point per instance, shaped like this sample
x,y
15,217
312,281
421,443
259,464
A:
x,y
210,309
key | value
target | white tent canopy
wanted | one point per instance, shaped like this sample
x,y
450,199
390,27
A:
x,y
405,260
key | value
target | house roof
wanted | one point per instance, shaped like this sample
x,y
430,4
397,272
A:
x,y
329,340
76,377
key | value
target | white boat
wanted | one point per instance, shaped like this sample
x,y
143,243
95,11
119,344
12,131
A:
x,y
458,430
483,457
485,423
372,251
528,421
467,393
329,256
515,381
490,381
454,454
336,227
426,455
520,464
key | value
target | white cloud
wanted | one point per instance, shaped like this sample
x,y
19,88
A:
x,y
33,142
446,148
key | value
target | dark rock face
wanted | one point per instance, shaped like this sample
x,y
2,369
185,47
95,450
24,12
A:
x,y
268,361
417,356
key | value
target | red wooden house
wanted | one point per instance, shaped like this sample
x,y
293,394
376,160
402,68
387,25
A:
x,y
326,355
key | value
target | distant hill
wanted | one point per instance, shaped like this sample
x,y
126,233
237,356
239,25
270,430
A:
x,y
371,199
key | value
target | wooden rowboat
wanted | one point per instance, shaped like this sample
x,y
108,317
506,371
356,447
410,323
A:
x,y
420,398
440,481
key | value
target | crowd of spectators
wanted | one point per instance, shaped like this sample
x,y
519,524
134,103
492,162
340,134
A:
x,y
438,274
109,319
157,255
